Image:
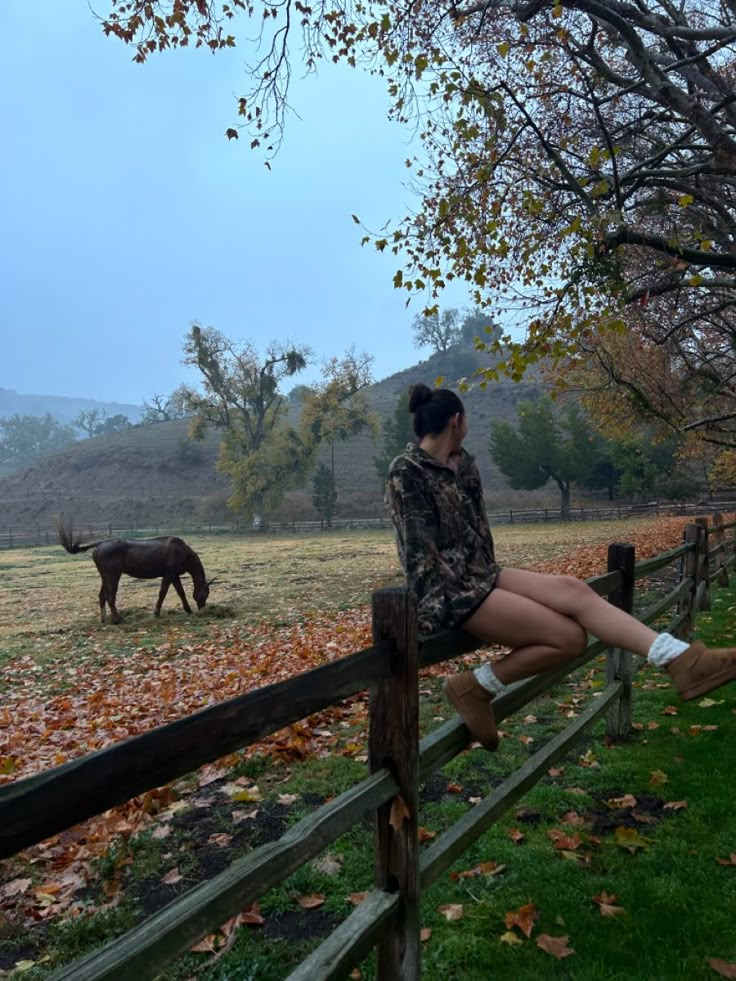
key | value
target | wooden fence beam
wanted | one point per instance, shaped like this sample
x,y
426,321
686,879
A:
x,y
720,573
704,575
692,535
622,558
349,943
393,743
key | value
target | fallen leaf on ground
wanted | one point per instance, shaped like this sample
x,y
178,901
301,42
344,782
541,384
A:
x,y
454,788
171,877
731,860
424,835
252,915
207,945
220,838
606,904
555,946
524,918
573,818
630,839
511,938
556,771
675,805
288,798
515,835
485,868
563,841
424,934
356,898
705,703
329,864
722,967
670,710
451,911
312,901
658,777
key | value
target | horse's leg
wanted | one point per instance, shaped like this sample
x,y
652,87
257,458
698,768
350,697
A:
x,y
165,583
103,598
112,591
182,595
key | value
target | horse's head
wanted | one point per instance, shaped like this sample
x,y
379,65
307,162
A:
x,y
201,592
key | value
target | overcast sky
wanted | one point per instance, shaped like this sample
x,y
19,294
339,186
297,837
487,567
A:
x,y
126,214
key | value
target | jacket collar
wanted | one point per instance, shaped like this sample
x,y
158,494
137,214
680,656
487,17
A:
x,y
426,459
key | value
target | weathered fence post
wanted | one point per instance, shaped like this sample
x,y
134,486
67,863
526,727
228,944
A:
x,y
720,573
704,568
393,742
692,535
621,558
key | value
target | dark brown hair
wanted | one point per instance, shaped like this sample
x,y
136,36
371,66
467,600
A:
x,y
433,408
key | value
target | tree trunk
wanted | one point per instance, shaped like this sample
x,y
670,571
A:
x,y
564,498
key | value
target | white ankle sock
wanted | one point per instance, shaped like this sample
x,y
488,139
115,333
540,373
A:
x,y
665,648
486,676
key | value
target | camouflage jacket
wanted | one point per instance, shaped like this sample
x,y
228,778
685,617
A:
x,y
442,534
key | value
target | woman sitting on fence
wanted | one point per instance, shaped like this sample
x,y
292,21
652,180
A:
x,y
435,499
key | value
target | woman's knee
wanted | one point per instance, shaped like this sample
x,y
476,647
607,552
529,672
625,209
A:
x,y
574,594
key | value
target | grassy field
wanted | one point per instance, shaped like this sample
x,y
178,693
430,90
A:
x,y
675,898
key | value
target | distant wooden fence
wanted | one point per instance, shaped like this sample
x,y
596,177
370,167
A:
x,y
23,537
46,804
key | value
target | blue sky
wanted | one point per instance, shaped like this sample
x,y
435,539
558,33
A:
x,y
127,214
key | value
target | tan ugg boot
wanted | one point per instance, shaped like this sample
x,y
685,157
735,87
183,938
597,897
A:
x,y
473,704
700,669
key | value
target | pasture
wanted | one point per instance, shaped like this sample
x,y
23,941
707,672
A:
x,y
48,599
282,605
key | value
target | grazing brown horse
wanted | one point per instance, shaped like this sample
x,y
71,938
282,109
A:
x,y
149,558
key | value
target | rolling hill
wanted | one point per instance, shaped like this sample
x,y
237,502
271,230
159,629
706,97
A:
x,y
155,474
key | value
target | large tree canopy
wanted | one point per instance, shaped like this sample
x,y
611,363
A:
x,y
577,168
241,395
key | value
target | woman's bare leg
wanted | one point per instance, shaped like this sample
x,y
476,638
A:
x,y
539,636
574,598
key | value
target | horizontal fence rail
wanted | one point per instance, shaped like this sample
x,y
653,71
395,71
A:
x,y
36,807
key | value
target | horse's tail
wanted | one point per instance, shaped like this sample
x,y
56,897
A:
x,y
68,539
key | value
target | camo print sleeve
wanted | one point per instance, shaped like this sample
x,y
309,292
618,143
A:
x,y
411,506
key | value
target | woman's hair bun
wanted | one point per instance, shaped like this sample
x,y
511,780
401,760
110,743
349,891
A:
x,y
418,395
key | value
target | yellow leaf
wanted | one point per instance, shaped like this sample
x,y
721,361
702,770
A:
x,y
685,199
503,48
511,938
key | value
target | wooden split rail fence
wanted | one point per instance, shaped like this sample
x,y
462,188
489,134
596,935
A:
x,y
39,806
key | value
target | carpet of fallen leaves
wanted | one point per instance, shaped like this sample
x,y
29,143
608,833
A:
x,y
62,709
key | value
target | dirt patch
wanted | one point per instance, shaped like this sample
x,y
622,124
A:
x,y
649,810
300,924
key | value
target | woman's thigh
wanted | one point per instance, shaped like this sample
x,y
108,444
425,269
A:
x,y
563,594
517,621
